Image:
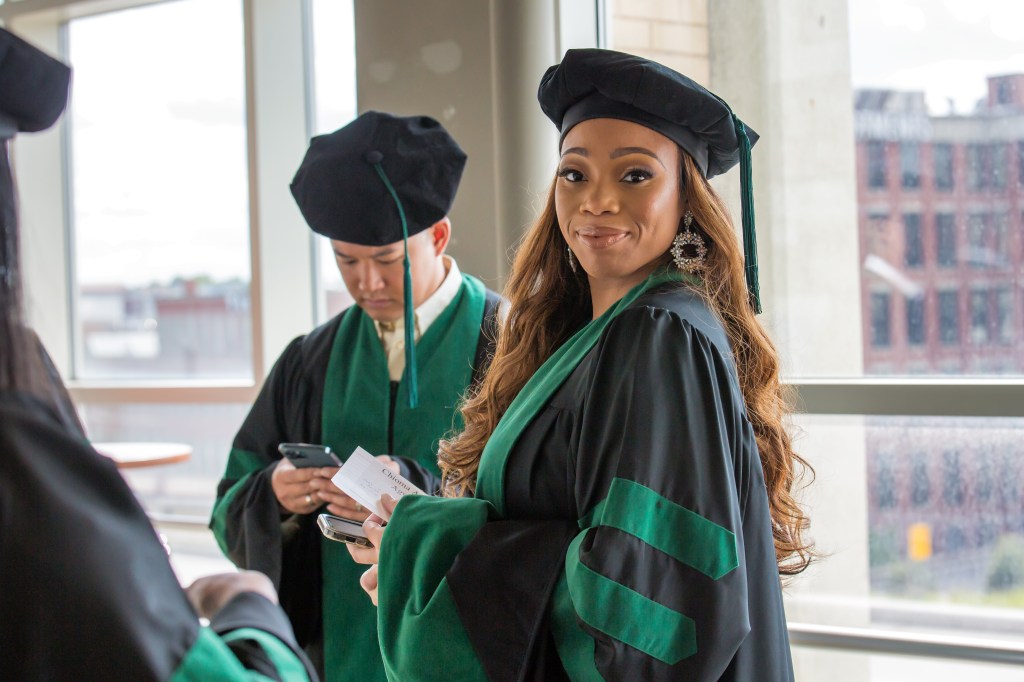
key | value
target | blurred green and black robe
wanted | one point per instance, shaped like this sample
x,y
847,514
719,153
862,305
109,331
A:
x,y
621,528
332,386
88,593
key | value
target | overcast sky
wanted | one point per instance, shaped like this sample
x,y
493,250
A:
x,y
943,47
157,113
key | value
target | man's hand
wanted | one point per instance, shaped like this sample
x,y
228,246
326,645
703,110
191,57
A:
x,y
340,504
209,595
298,490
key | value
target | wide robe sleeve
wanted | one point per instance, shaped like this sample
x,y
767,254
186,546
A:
x,y
88,590
672,549
247,520
656,583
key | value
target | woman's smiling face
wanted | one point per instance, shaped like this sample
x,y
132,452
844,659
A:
x,y
618,198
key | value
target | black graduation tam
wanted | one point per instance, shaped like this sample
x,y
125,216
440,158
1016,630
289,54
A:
x,y
592,83
33,87
343,196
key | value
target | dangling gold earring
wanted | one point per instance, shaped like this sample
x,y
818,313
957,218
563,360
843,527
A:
x,y
688,249
572,259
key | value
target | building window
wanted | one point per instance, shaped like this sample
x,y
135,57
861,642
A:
x,y
876,165
999,162
979,333
945,239
1004,91
913,245
953,487
915,321
880,320
920,484
943,155
910,165
1004,316
978,252
1001,238
949,318
975,162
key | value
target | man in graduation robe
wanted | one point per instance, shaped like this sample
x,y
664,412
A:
x,y
387,374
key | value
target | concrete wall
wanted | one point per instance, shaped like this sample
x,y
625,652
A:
x,y
475,67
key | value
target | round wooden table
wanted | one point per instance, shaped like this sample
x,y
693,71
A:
x,y
144,454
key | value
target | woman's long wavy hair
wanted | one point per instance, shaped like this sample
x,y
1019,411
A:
x,y
548,303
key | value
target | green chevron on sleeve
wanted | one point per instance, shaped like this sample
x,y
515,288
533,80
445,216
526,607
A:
x,y
242,462
675,530
289,667
241,465
575,647
627,615
210,657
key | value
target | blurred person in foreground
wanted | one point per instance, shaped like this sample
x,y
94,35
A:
x,y
88,592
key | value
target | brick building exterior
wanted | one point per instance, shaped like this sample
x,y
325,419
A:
x,y
940,202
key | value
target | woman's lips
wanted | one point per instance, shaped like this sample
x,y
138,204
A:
x,y
597,237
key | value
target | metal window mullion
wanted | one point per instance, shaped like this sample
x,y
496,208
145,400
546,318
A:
x,y
927,645
912,397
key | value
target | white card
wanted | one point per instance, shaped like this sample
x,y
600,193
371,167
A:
x,y
364,478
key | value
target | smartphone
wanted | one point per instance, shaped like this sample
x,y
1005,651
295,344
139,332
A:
x,y
305,455
343,530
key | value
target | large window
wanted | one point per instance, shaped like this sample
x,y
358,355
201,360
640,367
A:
x,y
944,520
159,176
334,94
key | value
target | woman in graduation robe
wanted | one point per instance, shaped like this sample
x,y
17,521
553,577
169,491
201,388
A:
x,y
631,470
88,592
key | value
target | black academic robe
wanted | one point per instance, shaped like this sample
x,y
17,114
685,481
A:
x,y
88,593
289,549
631,541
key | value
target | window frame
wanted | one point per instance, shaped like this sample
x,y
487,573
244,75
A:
x,y
276,282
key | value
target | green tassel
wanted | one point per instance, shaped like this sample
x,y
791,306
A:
x,y
410,328
749,233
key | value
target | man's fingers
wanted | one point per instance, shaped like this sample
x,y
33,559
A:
x,y
298,475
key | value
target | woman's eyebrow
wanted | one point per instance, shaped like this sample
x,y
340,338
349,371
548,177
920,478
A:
x,y
624,151
576,150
